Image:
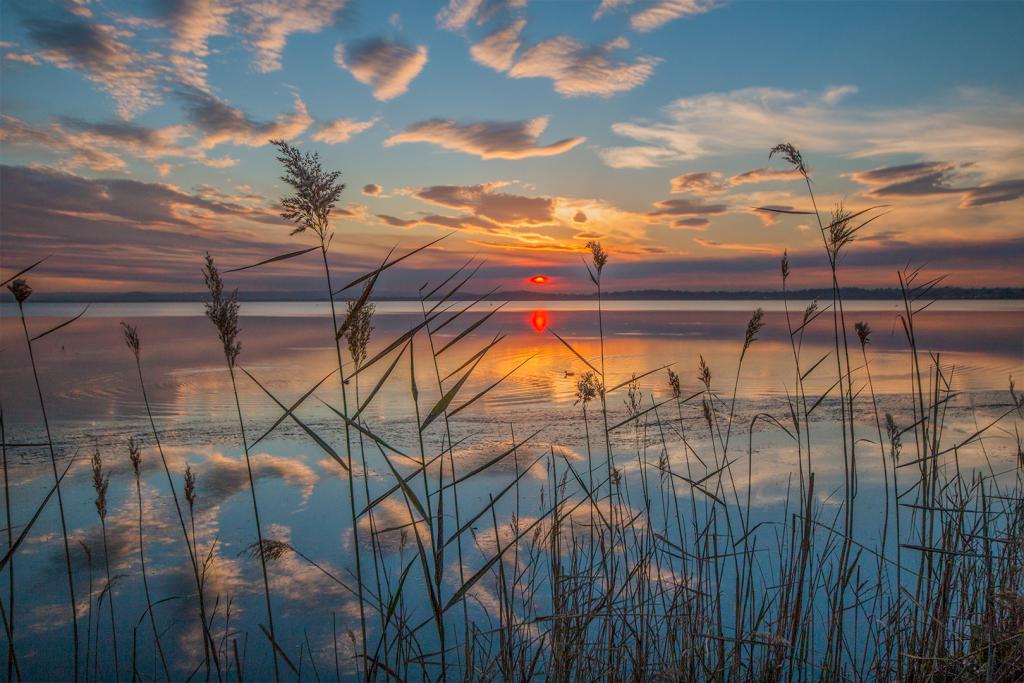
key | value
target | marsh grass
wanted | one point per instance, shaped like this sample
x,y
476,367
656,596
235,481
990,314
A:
x,y
648,559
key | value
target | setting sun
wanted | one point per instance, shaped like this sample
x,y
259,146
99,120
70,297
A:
x,y
539,279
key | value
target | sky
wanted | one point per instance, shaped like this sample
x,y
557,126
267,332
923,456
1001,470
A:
x,y
135,137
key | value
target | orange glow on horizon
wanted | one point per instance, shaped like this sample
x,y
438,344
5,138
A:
x,y
539,279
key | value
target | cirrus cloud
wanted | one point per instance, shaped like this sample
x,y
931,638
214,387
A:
x,y
753,119
101,53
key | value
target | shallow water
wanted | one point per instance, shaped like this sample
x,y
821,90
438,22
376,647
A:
x,y
93,401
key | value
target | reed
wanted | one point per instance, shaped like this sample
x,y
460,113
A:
x,y
100,483
222,310
132,341
22,291
135,456
657,563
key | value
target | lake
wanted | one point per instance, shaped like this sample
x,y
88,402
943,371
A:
x,y
94,404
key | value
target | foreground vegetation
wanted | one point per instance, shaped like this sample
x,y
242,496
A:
x,y
640,564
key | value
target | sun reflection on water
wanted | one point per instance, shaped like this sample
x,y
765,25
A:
x,y
539,320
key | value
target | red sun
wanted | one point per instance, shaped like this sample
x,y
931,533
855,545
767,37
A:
x,y
539,279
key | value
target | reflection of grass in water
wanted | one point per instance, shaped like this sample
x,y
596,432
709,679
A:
x,y
649,552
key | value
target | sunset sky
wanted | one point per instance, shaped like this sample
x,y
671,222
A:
x,y
135,137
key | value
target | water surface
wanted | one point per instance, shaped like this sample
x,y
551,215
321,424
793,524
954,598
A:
x,y
94,403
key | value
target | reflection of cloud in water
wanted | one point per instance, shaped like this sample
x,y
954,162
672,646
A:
x,y
224,476
394,526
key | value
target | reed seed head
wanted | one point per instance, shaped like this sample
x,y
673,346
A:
x,y
785,265
190,487
222,310
316,190
754,326
360,329
131,337
839,233
99,483
892,430
21,290
791,154
704,373
863,333
809,312
587,387
272,550
599,255
634,397
673,383
135,454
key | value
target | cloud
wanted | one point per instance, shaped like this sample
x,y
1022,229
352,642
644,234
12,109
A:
x,y
341,130
730,246
514,222
686,207
992,193
657,14
579,70
54,138
459,13
386,66
115,231
713,182
218,122
932,178
397,222
484,202
609,5
487,139
699,183
753,119
192,23
101,146
268,23
498,50
264,27
764,175
699,224
100,52
372,190
22,57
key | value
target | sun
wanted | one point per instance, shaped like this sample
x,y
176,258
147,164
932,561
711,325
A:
x,y
539,279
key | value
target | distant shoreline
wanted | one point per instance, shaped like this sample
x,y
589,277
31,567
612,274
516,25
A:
x,y
880,294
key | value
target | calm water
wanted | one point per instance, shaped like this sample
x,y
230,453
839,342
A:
x,y
94,402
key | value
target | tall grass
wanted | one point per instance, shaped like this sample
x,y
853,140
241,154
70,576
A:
x,y
22,291
655,562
